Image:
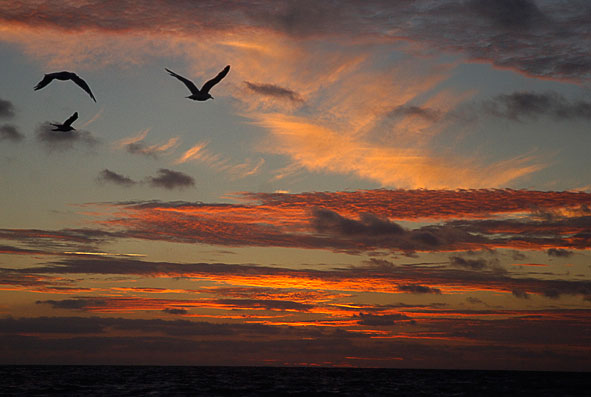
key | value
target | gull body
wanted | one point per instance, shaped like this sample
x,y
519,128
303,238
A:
x,y
203,93
63,76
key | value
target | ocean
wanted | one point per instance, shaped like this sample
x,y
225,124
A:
x,y
272,381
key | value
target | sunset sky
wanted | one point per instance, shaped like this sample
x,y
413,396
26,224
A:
x,y
376,184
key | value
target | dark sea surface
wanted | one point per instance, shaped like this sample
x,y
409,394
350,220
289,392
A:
x,y
270,381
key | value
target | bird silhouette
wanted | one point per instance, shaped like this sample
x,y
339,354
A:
x,y
67,125
48,78
203,93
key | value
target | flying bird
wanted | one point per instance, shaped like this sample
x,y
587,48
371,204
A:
x,y
203,93
48,78
67,126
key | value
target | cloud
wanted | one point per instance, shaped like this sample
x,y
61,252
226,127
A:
x,y
403,278
52,242
174,311
169,179
474,264
9,132
424,204
136,145
416,111
64,140
113,177
318,148
542,39
559,252
474,301
518,293
218,162
419,289
520,105
6,109
329,221
508,14
77,304
151,150
274,91
341,221
380,320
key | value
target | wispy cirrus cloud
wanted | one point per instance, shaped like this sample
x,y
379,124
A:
x,y
200,153
318,148
136,145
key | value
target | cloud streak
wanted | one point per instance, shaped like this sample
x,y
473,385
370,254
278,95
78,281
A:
x,y
10,132
170,180
274,91
108,176
64,140
531,105
6,109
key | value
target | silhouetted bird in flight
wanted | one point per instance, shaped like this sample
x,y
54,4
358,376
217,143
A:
x,y
48,78
203,93
67,126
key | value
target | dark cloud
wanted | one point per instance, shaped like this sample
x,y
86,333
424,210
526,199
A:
x,y
416,111
58,241
474,264
474,301
6,109
267,304
274,91
520,105
543,39
419,289
559,252
520,294
76,304
169,179
175,311
508,14
512,343
113,177
404,278
9,132
63,140
379,320
139,148
330,221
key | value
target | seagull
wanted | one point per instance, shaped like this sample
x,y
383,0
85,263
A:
x,y
203,93
67,126
48,78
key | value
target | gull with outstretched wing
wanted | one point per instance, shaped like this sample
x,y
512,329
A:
x,y
203,93
48,78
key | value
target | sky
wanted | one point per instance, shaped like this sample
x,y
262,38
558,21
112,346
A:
x,y
375,184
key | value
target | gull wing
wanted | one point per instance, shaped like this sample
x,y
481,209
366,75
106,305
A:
x,y
48,78
82,85
187,82
72,118
207,86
